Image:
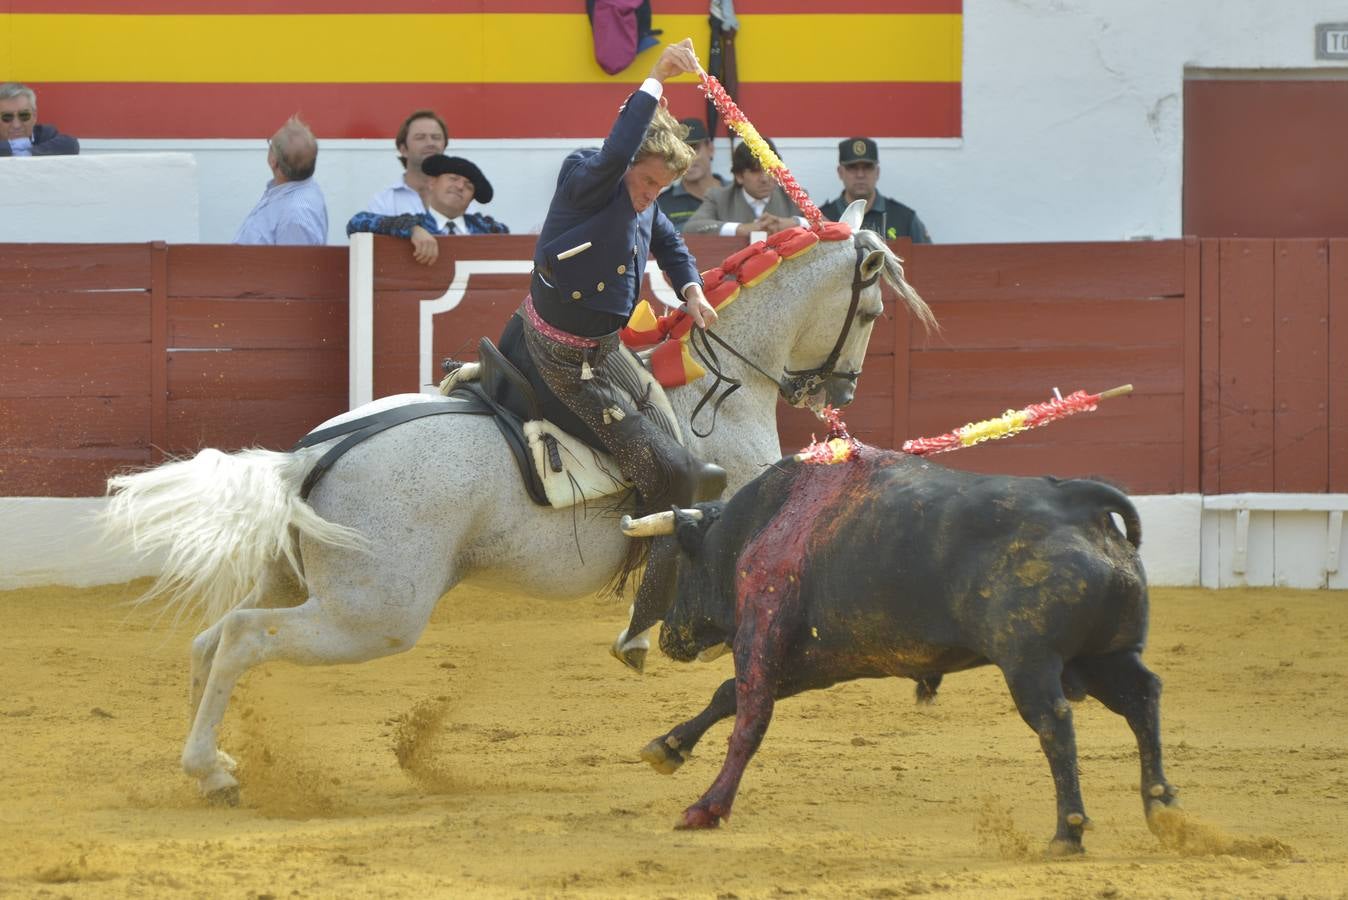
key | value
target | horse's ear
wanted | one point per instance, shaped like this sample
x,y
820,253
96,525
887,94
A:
x,y
854,213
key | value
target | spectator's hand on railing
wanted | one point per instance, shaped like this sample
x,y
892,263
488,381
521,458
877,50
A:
x,y
425,248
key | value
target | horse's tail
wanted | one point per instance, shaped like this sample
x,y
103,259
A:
x,y
221,520
893,273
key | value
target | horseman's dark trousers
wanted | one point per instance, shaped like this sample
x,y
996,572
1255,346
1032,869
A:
x,y
664,471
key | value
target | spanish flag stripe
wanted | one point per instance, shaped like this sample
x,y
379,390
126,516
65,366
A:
x,y
481,111
241,49
480,7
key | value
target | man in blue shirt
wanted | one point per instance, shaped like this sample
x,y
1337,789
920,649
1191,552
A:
x,y
292,210
422,135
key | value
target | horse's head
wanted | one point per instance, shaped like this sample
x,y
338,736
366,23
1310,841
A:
x,y
842,315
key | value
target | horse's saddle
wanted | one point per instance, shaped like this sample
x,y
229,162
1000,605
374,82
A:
x,y
558,469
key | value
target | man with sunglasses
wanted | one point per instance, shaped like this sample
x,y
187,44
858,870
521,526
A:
x,y
20,134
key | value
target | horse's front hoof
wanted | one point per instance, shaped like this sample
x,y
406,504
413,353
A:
x,y
698,817
662,757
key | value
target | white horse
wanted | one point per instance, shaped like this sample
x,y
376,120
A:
x,y
415,510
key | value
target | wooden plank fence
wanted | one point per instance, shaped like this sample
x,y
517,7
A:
x,y
115,355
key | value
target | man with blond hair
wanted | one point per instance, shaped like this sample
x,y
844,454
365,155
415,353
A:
x,y
20,133
602,224
292,210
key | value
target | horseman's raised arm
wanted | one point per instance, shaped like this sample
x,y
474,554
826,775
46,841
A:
x,y
591,177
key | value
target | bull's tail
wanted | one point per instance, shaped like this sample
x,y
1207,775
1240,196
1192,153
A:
x,y
1105,497
220,520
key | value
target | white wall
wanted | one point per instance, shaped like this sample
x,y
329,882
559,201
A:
x,y
1184,544
1072,127
74,199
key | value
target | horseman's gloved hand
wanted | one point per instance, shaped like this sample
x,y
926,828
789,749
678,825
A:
x,y
696,305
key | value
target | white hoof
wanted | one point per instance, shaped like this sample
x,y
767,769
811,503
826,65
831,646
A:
x,y
220,789
225,761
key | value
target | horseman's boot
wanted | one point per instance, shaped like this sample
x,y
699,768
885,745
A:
x,y
655,596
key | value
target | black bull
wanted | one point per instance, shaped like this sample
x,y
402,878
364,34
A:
x,y
890,565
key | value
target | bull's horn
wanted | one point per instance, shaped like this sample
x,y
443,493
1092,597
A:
x,y
655,524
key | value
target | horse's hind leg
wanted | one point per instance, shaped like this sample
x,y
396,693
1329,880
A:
x,y
309,634
278,587
1124,685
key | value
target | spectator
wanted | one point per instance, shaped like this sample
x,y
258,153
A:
x,y
22,135
291,210
453,183
859,170
753,203
686,195
423,134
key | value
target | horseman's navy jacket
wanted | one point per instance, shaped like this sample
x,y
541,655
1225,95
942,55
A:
x,y
591,206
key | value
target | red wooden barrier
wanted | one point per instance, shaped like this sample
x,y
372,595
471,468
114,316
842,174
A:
x,y
110,354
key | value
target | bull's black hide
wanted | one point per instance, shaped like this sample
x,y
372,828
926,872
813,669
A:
x,y
890,565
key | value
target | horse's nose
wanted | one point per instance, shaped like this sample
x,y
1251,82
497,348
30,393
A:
x,y
840,392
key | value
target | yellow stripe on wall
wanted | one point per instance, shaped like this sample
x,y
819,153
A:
x,y
492,48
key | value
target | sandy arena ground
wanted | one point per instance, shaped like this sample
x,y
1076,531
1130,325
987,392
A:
x,y
499,758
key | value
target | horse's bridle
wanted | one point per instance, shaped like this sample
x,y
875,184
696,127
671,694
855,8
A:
x,y
794,385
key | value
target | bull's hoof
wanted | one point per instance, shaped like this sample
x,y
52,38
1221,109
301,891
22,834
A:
x,y
632,657
698,817
662,757
1060,847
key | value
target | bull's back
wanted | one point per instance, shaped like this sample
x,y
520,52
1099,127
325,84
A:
x,y
935,569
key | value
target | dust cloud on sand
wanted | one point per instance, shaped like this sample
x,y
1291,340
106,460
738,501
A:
x,y
499,758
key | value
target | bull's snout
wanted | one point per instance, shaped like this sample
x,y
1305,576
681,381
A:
x,y
685,641
677,642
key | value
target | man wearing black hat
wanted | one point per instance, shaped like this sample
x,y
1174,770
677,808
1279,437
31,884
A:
x,y
686,195
452,183
859,171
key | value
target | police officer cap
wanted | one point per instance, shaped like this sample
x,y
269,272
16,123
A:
x,y
457,165
697,132
858,149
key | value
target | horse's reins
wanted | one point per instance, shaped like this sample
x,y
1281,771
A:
x,y
795,385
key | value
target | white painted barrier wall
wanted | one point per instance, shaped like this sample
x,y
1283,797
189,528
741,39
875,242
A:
x,y
127,198
1187,540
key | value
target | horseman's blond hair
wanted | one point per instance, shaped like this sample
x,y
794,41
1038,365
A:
x,y
665,140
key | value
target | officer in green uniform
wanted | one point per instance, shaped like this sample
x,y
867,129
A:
x,y
859,171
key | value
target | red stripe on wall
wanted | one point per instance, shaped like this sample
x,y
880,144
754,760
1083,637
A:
x,y
267,7
104,110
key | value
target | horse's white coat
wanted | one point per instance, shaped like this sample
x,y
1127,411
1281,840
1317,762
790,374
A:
x,y
438,501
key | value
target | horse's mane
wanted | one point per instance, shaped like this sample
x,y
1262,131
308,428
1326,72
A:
x,y
893,274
